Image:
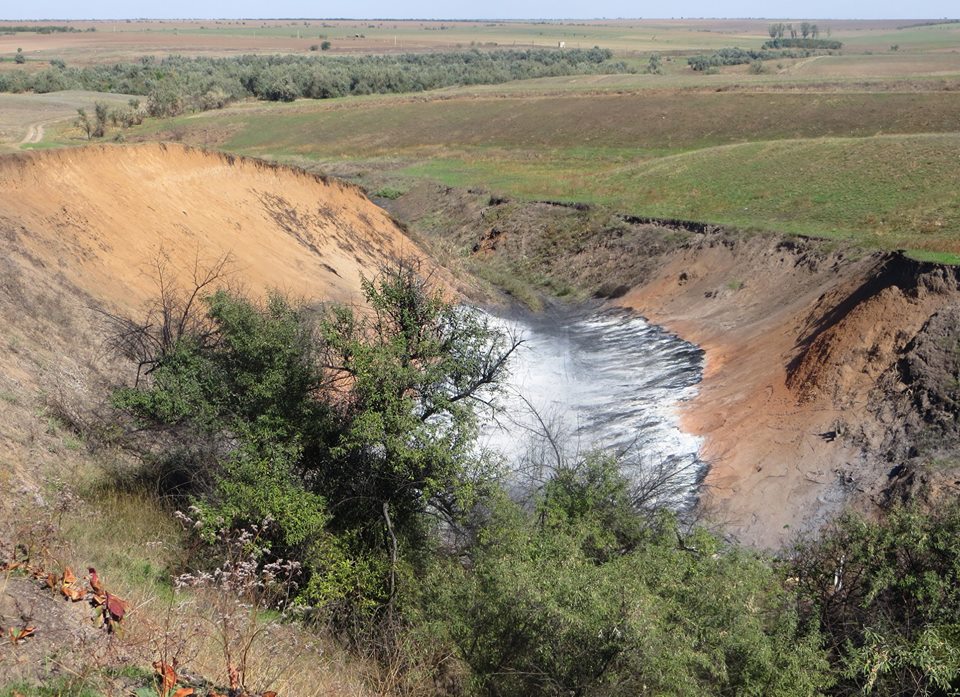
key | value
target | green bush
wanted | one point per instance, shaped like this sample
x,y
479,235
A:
x,y
389,192
887,596
582,596
353,433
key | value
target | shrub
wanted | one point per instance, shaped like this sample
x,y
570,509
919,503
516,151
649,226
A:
x,y
165,99
654,66
582,596
353,433
887,597
389,192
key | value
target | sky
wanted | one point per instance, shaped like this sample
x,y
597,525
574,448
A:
x,y
485,9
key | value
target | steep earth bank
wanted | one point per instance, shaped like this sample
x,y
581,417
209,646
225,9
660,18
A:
x,y
831,376
829,381
104,216
91,230
87,231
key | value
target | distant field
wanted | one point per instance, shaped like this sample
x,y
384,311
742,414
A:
x,y
890,64
112,41
637,124
936,37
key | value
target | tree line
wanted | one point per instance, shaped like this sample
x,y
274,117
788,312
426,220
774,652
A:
x,y
805,35
740,56
40,29
177,84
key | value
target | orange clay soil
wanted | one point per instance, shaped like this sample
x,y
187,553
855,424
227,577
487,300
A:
x,y
103,216
795,342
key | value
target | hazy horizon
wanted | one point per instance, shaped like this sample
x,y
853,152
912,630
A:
x,y
46,10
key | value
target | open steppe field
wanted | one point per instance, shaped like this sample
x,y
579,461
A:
x,y
108,41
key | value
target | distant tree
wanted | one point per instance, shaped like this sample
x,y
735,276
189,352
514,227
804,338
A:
x,y
19,59
325,45
814,31
100,114
654,66
805,29
83,122
793,32
772,30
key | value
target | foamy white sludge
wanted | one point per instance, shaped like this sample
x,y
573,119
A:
x,y
603,380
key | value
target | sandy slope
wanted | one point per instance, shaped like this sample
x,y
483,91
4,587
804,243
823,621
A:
x,y
103,215
80,229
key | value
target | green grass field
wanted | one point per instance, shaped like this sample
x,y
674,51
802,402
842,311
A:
x,y
890,192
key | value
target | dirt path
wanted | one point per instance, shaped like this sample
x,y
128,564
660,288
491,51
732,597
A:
x,y
35,132
803,63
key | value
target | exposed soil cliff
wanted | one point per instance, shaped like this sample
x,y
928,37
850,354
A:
x,y
825,375
102,216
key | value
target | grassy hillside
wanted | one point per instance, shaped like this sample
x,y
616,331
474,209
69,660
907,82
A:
x,y
875,167
886,191
883,191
